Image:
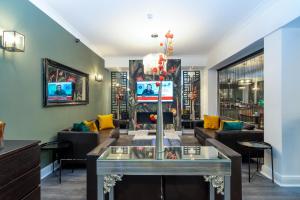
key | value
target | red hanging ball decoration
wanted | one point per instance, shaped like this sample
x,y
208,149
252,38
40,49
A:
x,y
161,78
157,84
161,67
154,70
169,35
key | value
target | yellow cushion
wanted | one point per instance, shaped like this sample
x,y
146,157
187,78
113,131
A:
x,y
106,121
223,121
211,122
92,125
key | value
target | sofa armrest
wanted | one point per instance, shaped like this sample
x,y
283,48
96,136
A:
x,y
236,167
98,150
115,133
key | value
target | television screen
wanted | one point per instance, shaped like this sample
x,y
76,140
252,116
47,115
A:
x,y
60,91
147,91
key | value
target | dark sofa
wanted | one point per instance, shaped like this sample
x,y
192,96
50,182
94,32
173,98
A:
x,y
229,137
84,142
176,187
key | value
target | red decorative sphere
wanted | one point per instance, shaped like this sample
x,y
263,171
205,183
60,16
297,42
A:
x,y
161,67
157,83
154,70
161,78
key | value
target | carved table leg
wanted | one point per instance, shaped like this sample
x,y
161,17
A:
x,y
111,194
100,187
211,192
227,188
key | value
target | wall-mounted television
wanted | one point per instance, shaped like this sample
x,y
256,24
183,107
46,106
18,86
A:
x,y
147,91
63,85
60,91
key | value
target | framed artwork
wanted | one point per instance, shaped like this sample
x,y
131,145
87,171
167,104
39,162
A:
x,y
63,85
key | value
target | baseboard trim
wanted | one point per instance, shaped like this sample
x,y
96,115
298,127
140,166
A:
x,y
47,170
281,180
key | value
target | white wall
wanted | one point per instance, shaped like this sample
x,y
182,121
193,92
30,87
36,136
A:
x,y
264,20
282,108
290,102
273,101
209,92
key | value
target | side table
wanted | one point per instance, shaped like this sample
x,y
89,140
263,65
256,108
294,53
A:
x,y
56,148
255,147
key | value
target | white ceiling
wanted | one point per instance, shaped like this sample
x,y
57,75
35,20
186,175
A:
x,y
121,27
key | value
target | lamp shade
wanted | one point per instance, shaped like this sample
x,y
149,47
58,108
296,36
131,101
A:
x,y
13,41
150,61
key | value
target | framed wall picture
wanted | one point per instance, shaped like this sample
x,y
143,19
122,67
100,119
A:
x,y
63,85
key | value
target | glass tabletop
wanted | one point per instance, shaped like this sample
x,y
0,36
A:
x,y
170,153
254,144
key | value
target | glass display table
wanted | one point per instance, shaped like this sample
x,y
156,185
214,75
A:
x,y
206,161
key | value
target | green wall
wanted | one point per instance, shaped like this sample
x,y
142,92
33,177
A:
x,y
21,75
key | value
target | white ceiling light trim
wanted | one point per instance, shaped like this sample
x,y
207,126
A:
x,y
58,19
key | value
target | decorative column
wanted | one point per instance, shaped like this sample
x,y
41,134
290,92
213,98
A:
x,y
159,128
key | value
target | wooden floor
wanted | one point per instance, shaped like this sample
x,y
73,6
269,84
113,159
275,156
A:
x,y
73,185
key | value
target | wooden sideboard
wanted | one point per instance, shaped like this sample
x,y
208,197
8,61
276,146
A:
x,y
20,170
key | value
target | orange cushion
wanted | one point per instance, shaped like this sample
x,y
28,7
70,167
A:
x,y
211,122
105,121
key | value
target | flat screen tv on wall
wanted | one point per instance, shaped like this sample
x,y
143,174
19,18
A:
x,y
64,85
147,91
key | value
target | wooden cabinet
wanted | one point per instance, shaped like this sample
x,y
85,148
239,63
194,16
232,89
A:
x,y
20,170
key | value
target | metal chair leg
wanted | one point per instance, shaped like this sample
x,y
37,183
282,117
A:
x,y
272,165
249,167
257,162
60,169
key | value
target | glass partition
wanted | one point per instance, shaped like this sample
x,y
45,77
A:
x,y
241,90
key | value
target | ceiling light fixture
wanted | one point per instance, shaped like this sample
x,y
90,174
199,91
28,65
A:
x,y
154,35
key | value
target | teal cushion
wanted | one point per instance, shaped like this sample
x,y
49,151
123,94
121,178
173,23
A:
x,y
80,127
232,126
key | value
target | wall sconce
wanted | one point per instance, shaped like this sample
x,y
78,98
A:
x,y
13,41
99,77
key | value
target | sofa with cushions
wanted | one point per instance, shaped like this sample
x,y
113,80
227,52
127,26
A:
x,y
84,141
229,137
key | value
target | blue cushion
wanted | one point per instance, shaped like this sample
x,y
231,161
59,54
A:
x,y
80,127
233,126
